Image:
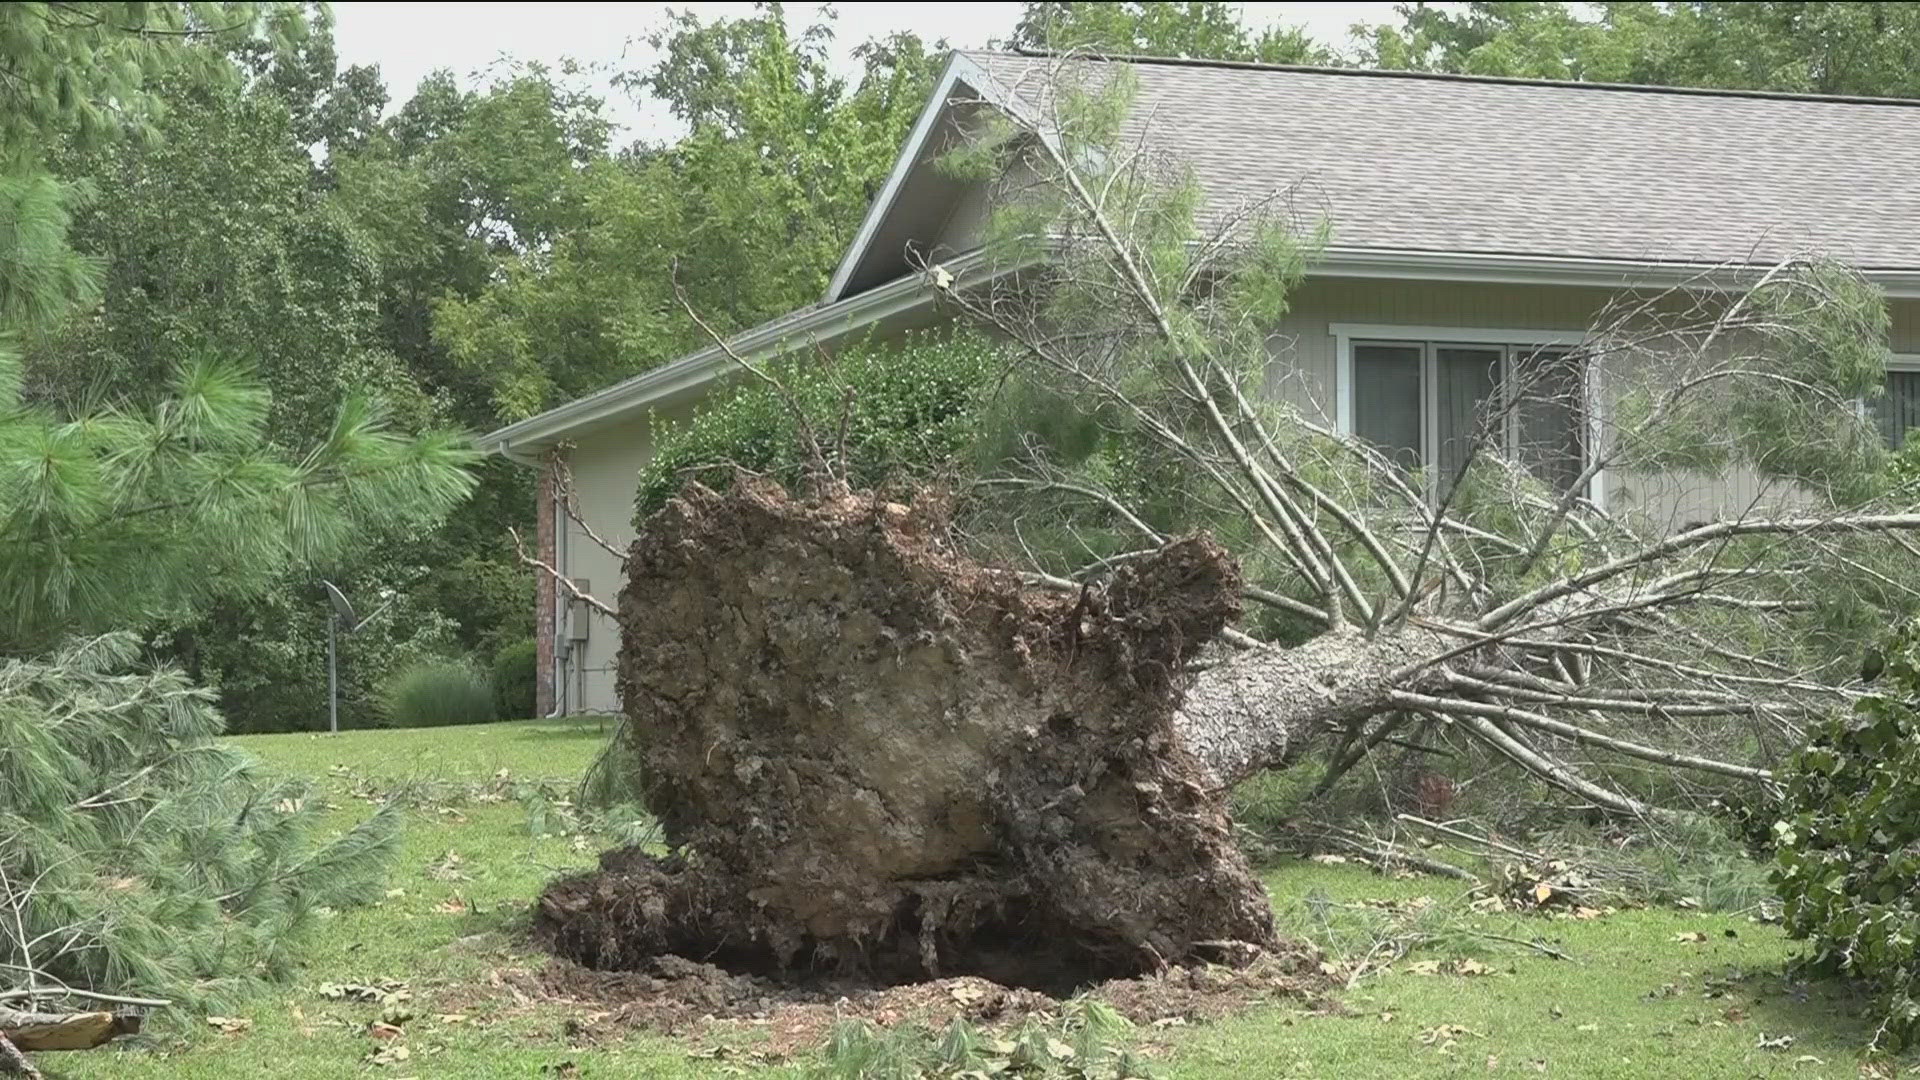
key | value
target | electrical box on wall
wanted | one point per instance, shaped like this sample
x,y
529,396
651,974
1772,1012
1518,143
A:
x,y
579,613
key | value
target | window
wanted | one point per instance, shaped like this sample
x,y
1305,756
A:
x,y
1898,410
1424,395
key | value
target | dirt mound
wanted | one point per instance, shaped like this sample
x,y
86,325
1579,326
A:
x,y
684,998
879,761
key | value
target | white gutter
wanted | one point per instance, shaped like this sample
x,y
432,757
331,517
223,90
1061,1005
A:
x,y
691,374
1410,265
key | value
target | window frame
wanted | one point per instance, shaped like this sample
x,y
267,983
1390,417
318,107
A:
x,y
1347,335
1905,362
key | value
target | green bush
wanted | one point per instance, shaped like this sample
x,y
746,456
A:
x,y
516,679
434,693
1848,862
912,410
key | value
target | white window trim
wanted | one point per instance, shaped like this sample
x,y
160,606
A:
x,y
1345,334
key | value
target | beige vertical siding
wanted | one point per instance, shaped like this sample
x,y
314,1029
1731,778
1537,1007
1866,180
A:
x,y
1906,326
1305,360
606,465
606,462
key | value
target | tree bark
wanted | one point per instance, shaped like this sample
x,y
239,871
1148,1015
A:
x,y
1265,707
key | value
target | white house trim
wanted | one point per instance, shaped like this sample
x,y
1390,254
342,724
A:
x,y
1345,334
960,70
822,324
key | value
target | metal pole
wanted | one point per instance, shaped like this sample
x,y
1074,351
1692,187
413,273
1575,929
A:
x,y
333,678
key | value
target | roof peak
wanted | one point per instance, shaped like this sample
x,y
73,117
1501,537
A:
x,y
1437,76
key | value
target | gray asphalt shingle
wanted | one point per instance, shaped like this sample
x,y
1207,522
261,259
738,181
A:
x,y
1457,165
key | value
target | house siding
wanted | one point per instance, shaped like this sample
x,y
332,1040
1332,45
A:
x,y
605,462
1305,358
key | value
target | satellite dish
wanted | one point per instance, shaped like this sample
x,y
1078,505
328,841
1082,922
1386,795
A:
x,y
342,610
344,618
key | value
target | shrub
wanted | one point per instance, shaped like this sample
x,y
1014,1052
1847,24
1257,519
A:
x,y
912,409
516,679
438,692
144,855
1848,862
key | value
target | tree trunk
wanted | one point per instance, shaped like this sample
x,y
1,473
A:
x,y
877,757
1265,706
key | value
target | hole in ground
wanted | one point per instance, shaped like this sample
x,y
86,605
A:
x,y
626,919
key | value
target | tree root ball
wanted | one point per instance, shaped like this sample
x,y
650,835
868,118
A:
x,y
876,758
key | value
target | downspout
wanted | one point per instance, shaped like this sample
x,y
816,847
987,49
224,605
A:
x,y
562,643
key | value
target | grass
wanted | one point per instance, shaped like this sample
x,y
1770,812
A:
x,y
1635,1000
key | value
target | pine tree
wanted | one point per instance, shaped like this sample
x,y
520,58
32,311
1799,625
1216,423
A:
x,y
142,853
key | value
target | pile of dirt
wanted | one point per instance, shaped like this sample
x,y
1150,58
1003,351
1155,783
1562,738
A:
x,y
707,1003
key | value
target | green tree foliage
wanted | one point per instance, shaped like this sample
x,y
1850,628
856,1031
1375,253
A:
x,y
1823,47
1848,865
893,413
1199,29
747,214
125,516
143,854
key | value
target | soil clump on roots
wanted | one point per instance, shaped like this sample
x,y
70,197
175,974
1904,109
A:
x,y
880,763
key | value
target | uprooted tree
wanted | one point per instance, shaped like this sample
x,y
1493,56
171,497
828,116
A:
x,y
873,753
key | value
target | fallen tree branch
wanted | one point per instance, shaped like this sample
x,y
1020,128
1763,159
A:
x,y
85,995
565,582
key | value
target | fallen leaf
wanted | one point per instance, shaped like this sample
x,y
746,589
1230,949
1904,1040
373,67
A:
x,y
1060,1051
1588,1027
1734,1015
230,1025
967,993
453,905
380,1029
452,1018
1424,967
1691,937
392,1055
1170,1021
1328,858
1542,893
1446,1033
1808,1059
1555,1011
396,894
1773,1042
1471,967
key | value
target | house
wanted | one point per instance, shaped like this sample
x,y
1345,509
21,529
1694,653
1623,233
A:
x,y
1477,217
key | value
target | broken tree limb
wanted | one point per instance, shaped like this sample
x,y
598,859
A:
x,y
65,1031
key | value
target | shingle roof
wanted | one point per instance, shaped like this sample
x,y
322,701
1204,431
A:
x,y
1527,168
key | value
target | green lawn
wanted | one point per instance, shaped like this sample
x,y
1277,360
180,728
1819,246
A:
x,y
1634,1001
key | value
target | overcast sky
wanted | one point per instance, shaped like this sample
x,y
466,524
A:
x,y
409,40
